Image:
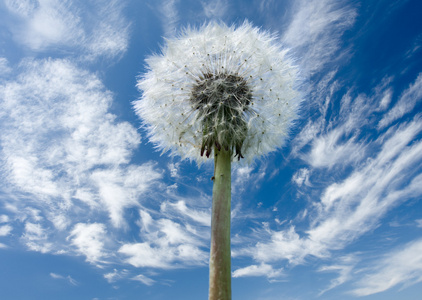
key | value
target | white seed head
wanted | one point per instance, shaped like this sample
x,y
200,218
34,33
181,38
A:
x,y
219,86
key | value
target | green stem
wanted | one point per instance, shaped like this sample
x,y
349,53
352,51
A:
x,y
220,257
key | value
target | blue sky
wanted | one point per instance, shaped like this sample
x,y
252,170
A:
x,y
89,210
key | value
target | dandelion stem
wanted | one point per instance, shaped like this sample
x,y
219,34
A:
x,y
220,258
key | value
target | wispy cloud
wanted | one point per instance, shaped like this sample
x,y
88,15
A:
x,y
406,103
67,278
144,279
246,176
336,142
215,9
109,36
301,177
265,5
169,16
180,208
315,31
356,203
344,268
400,267
112,277
329,150
382,170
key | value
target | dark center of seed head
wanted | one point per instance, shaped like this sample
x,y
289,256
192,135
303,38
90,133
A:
x,y
223,102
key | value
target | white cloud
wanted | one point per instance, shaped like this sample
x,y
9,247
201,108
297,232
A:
x,y
4,219
241,175
336,143
167,245
4,67
97,28
121,188
344,268
45,23
36,238
400,267
286,244
60,144
180,208
265,5
112,277
144,279
56,276
321,94
354,206
245,176
89,241
68,278
406,103
174,169
169,16
163,257
386,99
110,34
328,150
316,29
301,177
5,230
30,178
215,9
143,255
71,280
60,221
258,270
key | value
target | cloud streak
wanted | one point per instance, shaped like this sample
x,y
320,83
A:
x,y
144,279
400,267
406,103
67,278
315,31
169,16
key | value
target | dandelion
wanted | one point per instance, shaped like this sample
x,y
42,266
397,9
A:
x,y
223,92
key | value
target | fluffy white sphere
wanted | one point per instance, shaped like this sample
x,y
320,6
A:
x,y
231,87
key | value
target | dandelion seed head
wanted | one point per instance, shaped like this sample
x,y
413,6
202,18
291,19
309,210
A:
x,y
219,86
